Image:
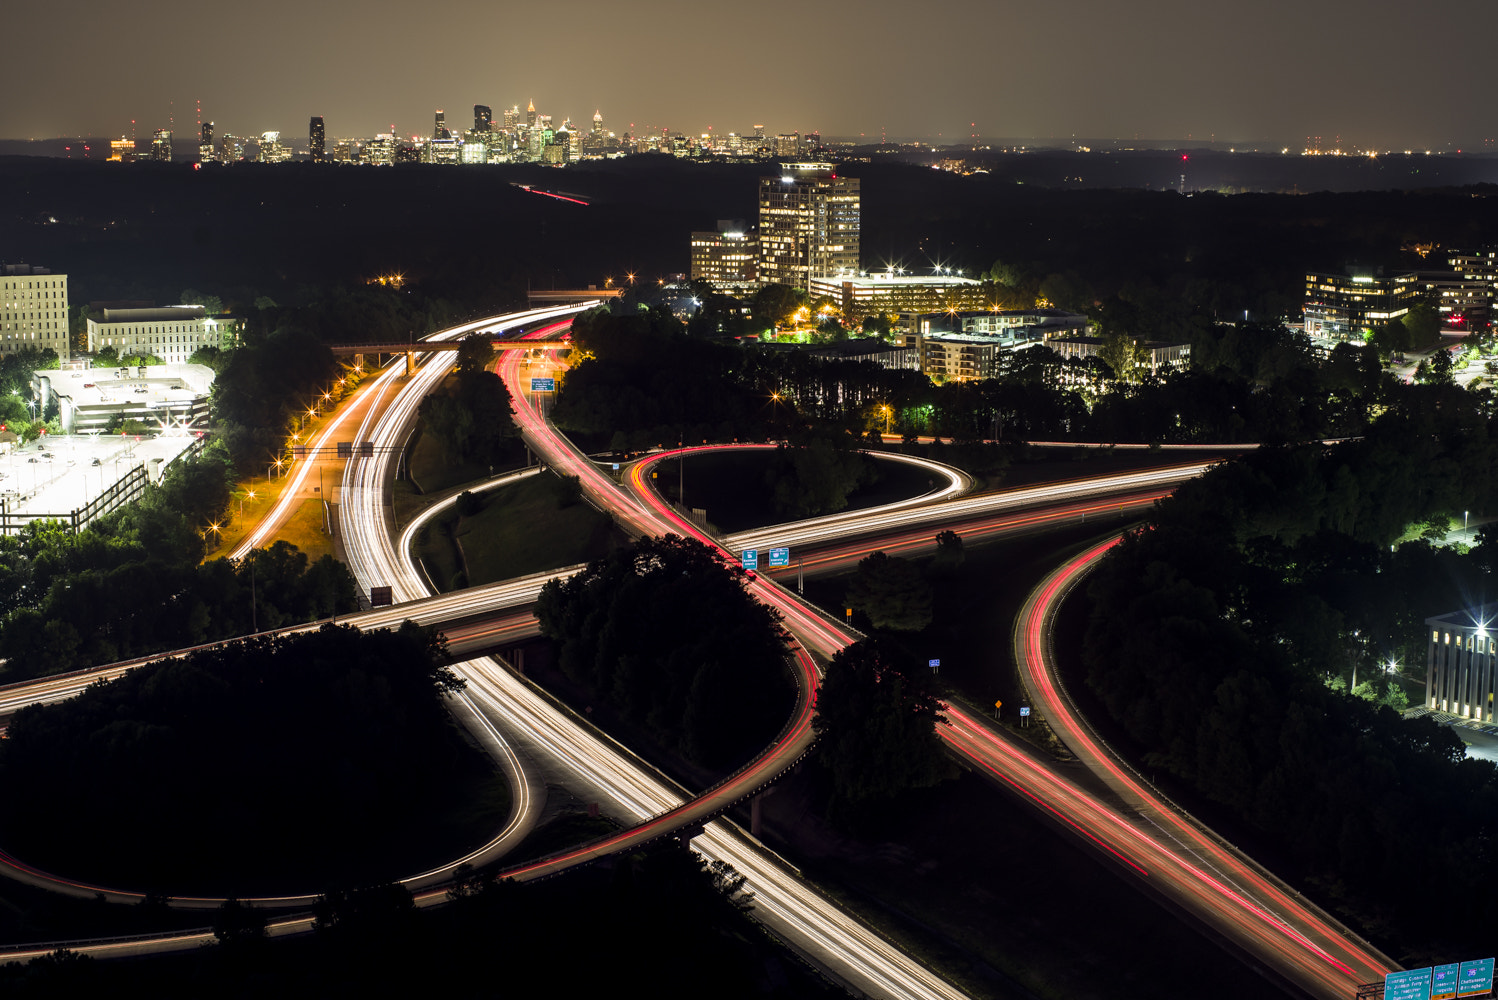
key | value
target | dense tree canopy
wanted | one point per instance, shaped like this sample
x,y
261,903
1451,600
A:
x,y
1223,640
269,752
666,633
876,718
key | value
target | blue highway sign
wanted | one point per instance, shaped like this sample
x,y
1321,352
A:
x,y
780,557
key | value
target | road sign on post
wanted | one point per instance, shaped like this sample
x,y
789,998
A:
x,y
750,558
1024,710
780,557
543,385
933,664
380,597
1476,978
1411,984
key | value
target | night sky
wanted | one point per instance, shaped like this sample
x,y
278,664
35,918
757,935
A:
x,y
1377,73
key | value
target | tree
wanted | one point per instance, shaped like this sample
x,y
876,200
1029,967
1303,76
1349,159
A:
x,y
1123,354
949,554
776,305
665,633
1423,322
876,722
236,924
1438,370
816,475
475,353
891,592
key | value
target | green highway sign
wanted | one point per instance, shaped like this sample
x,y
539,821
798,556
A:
x,y
1412,984
543,385
1476,978
750,558
780,557
1443,981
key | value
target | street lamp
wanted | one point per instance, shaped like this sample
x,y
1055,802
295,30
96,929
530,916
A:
x,y
247,495
887,414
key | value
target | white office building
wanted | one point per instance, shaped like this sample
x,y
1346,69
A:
x,y
171,334
33,309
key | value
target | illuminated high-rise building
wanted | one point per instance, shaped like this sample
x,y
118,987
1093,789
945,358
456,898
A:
x,y
121,150
317,140
598,124
530,115
205,143
161,146
512,117
439,128
271,150
380,151
483,118
809,224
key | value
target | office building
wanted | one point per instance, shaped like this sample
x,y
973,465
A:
x,y
33,310
1459,664
1349,306
380,151
205,144
887,293
317,140
788,145
1157,353
727,259
161,146
483,118
439,126
121,150
232,149
171,334
271,150
530,115
809,224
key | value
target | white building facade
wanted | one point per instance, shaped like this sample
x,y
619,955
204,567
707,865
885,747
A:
x,y
171,334
33,309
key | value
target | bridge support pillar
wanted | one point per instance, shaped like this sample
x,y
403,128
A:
x,y
755,818
410,363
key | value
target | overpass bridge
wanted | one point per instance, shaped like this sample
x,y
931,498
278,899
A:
x,y
411,349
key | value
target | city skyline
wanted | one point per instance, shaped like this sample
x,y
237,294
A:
x,y
1163,70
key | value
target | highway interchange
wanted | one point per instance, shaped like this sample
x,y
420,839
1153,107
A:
x,y
1135,829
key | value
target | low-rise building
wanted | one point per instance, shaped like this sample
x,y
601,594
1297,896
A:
x,y
1460,664
881,352
1342,307
888,293
171,334
97,399
1160,354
